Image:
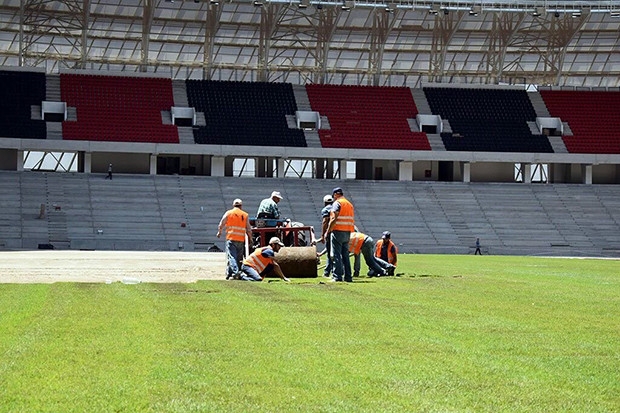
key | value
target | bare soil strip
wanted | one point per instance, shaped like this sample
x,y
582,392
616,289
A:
x,y
46,267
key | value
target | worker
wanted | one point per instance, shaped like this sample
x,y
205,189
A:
x,y
237,226
387,250
268,208
261,262
364,244
341,224
109,175
328,200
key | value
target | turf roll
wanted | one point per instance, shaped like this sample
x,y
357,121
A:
x,y
298,262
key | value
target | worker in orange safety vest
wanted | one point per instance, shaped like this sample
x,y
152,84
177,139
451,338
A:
x,y
386,249
238,227
341,224
363,244
262,261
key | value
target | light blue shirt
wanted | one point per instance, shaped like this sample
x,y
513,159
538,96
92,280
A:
x,y
269,207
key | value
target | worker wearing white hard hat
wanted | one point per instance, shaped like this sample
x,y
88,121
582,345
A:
x,y
262,262
328,200
268,207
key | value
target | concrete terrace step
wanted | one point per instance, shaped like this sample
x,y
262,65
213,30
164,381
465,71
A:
x,y
444,217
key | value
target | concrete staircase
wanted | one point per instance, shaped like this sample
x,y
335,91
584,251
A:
x,y
303,104
52,88
420,101
179,93
56,216
557,144
539,105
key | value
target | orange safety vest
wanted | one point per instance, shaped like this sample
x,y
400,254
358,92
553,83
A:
x,y
356,241
257,261
345,220
236,224
391,250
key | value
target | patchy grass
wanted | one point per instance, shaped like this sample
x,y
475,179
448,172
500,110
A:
x,y
452,333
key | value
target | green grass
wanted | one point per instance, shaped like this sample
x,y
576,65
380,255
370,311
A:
x,y
452,334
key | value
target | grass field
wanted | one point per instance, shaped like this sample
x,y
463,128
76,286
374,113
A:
x,y
452,334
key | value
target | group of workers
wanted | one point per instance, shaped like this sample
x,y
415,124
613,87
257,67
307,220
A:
x,y
338,232
238,233
381,258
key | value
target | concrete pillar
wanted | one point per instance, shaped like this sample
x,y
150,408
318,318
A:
x,y
217,165
269,166
526,169
466,171
405,171
88,162
261,167
153,164
319,165
586,174
280,167
329,172
20,161
343,168
229,166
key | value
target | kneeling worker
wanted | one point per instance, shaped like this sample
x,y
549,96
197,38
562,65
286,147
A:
x,y
261,262
386,250
362,243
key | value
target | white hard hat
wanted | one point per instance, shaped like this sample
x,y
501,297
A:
x,y
328,199
276,194
237,202
275,240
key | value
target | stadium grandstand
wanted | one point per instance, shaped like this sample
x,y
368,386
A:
x,y
443,121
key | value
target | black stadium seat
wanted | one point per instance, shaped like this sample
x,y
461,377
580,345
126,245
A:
x,y
19,91
244,113
486,120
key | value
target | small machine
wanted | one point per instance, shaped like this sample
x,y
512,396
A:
x,y
298,256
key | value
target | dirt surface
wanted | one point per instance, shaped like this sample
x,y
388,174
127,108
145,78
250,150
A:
x,y
110,266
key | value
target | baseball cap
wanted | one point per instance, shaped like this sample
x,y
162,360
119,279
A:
x,y
328,199
237,202
276,194
337,190
386,234
275,240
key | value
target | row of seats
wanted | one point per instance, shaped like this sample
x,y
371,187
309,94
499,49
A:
x,y
376,116
120,109
243,113
117,108
19,91
593,117
487,120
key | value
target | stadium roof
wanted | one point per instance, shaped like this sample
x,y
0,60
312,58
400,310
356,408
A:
x,y
565,43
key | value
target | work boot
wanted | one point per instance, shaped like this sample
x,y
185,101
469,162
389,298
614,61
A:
x,y
356,274
391,269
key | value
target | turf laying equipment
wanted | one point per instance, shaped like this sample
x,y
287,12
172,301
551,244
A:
x,y
297,258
